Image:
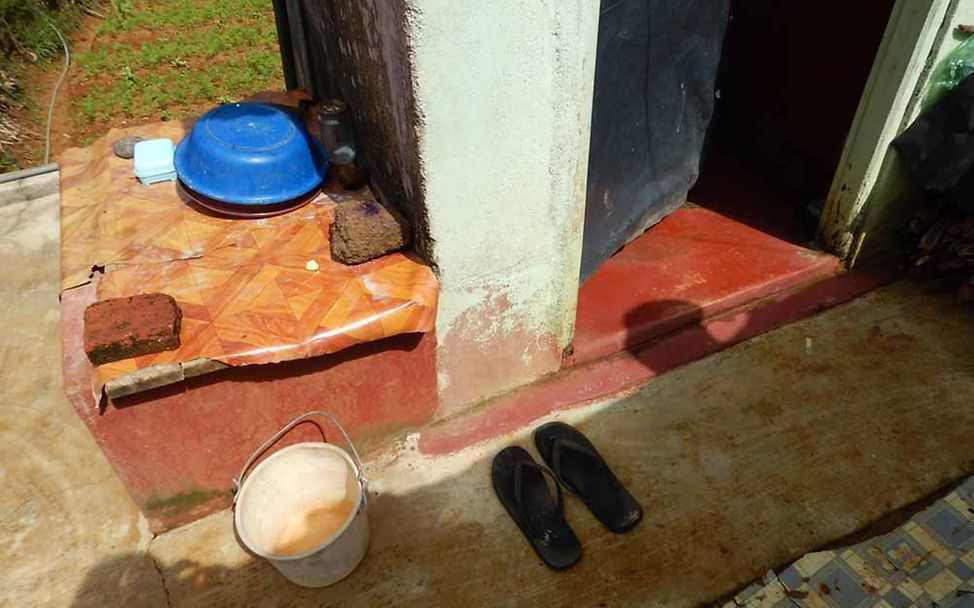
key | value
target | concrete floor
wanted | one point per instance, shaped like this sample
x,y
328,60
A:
x,y
743,462
63,513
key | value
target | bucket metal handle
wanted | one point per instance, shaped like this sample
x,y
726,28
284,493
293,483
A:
x,y
359,473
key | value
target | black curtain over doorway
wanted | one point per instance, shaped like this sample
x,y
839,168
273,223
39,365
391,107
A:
x,y
655,72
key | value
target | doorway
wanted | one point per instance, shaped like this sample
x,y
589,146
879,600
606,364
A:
x,y
785,80
791,77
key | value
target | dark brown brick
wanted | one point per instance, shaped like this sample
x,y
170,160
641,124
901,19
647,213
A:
x,y
123,328
365,229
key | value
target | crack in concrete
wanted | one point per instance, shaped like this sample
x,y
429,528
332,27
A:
x,y
162,577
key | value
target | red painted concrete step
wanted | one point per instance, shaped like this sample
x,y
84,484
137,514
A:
x,y
177,448
631,369
692,266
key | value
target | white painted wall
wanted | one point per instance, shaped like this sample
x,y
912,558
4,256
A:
x,y
504,92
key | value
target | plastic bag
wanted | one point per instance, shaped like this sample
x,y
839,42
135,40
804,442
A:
x,y
955,67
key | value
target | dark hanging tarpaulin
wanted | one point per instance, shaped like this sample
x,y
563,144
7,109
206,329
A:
x,y
655,72
939,146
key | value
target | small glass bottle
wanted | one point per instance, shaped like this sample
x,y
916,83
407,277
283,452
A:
x,y
335,125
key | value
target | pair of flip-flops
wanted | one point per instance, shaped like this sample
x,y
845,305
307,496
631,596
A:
x,y
521,486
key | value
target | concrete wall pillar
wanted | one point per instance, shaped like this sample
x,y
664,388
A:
x,y
503,91
474,117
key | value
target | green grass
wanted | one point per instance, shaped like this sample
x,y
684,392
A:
x,y
203,44
163,59
26,36
25,29
148,60
7,163
161,14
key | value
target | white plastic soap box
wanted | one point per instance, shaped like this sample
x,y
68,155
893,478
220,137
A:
x,y
154,161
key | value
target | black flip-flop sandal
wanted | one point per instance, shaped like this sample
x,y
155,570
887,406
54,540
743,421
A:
x,y
521,487
581,469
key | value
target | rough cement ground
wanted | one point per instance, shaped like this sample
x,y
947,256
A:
x,y
63,513
743,462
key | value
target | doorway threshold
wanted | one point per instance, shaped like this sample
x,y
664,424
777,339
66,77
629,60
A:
x,y
691,286
693,266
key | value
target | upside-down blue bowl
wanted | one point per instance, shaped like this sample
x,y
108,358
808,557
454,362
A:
x,y
250,154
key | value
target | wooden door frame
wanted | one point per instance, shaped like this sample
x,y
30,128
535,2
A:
x,y
869,178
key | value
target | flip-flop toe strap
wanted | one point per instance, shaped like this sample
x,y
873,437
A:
x,y
558,445
519,485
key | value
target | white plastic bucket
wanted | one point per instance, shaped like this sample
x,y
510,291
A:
x,y
287,510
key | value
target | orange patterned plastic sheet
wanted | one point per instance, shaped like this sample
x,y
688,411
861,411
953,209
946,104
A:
x,y
248,289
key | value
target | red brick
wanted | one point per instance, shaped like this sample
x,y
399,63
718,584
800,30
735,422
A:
x,y
123,328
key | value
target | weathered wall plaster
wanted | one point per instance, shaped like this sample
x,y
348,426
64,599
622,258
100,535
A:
x,y
503,91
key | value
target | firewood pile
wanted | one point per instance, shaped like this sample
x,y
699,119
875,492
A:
x,y
942,240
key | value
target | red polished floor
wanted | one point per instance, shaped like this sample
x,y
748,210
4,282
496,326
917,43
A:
x,y
692,266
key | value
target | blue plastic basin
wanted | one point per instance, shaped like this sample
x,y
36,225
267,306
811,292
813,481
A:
x,y
250,154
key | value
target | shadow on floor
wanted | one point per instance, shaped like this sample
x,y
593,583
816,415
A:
x,y
686,335
129,579
679,314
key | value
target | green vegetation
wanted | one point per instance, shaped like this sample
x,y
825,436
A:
x,y
183,501
26,36
167,59
167,14
25,29
133,61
